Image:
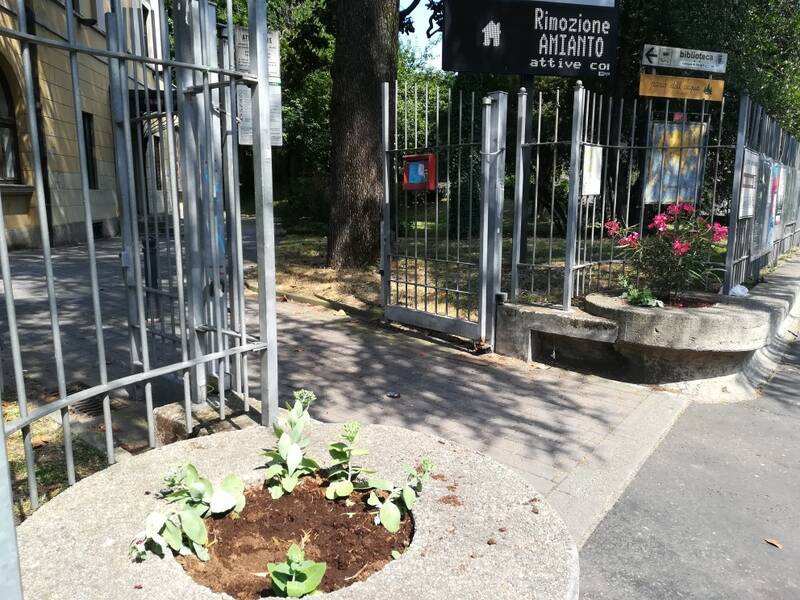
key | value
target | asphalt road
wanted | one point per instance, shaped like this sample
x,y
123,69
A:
x,y
693,523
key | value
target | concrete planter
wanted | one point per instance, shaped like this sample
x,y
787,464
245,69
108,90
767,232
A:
x,y
479,532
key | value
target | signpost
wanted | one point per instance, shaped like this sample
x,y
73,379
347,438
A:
x,y
683,58
691,88
535,37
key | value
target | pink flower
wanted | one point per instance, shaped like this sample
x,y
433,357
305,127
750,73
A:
x,y
612,227
680,248
676,209
720,232
629,241
660,222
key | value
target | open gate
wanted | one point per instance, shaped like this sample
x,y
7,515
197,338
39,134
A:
x,y
442,215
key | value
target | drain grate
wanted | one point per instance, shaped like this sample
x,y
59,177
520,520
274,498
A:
x,y
93,407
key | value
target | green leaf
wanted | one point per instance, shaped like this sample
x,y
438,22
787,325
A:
x,y
390,517
330,492
309,464
409,497
240,503
173,536
154,523
190,474
359,452
272,471
344,488
373,499
295,554
193,527
289,483
396,555
314,574
222,501
381,484
280,575
276,491
284,443
200,551
293,458
232,484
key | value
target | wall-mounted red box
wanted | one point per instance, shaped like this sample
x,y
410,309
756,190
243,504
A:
x,y
419,172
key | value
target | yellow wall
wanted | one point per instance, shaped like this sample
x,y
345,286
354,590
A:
x,y
58,125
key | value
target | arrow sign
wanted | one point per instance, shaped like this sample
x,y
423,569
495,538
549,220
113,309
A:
x,y
684,58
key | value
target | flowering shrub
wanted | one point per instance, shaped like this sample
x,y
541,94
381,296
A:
x,y
677,251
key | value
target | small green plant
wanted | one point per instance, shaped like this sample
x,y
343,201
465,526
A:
x,y
286,462
638,296
297,577
182,529
343,475
399,500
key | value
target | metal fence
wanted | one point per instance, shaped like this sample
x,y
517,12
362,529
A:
x,y
766,189
176,156
597,158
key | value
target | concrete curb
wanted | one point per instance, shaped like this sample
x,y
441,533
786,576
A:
x,y
494,545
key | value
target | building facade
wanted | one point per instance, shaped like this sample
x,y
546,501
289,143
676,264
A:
x,y
57,128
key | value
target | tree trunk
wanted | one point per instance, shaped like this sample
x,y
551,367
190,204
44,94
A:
x,y
365,57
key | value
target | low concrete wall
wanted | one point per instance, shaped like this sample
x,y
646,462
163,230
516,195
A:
x,y
732,338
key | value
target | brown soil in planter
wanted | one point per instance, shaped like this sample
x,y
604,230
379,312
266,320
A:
x,y
345,538
689,303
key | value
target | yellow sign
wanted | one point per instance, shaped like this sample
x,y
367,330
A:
x,y
691,88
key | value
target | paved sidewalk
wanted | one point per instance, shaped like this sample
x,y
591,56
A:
x,y
692,524
579,439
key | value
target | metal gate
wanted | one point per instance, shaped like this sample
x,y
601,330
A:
x,y
441,248
173,121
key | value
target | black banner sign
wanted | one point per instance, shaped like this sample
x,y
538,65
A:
x,y
530,37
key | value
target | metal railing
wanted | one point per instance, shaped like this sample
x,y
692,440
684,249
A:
x,y
174,122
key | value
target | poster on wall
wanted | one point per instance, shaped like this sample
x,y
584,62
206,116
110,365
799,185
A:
x,y
675,162
747,195
762,217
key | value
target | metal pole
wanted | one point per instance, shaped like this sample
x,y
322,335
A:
x,y
386,224
265,232
11,580
88,222
733,219
579,98
520,183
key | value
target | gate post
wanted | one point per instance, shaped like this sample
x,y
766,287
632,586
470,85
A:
x,y
579,99
733,218
520,184
386,241
493,135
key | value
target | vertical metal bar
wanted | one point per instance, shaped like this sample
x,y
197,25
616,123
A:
x,y
553,193
38,180
736,194
386,222
265,233
11,581
176,225
519,186
187,114
116,39
88,221
574,193
16,359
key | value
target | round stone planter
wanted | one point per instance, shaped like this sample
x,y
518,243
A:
x,y
678,344
481,531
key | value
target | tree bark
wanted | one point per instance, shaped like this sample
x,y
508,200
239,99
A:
x,y
365,57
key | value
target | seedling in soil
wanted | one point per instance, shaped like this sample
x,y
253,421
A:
x,y
399,500
182,529
343,475
286,463
297,577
